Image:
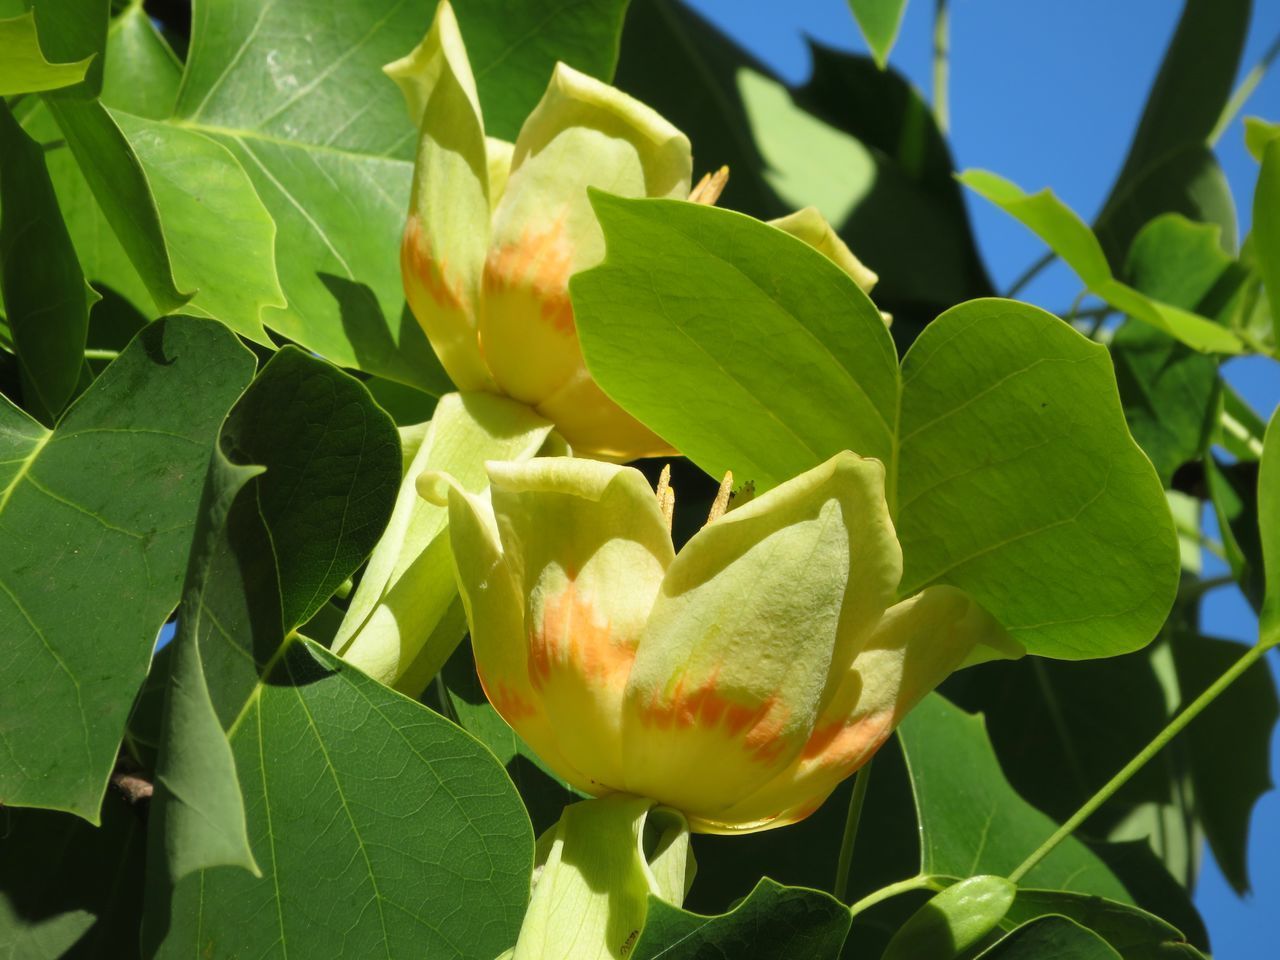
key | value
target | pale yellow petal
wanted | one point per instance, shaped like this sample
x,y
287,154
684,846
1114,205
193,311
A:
x,y
446,236
587,546
757,620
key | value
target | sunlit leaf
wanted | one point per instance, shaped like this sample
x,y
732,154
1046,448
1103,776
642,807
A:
x,y
24,68
1071,239
880,21
752,353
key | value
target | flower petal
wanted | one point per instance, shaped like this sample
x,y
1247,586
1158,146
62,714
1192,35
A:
x,y
495,615
595,426
447,234
588,546
917,645
758,617
583,133
811,227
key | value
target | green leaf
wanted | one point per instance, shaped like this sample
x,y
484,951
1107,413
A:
x,y
514,46
1070,238
117,185
544,794
1269,528
880,21
70,891
392,626
23,68
752,353
220,237
71,29
1257,134
323,136
296,496
972,821
46,299
1183,110
1170,392
381,829
142,73
1051,937
1061,730
1266,226
773,921
1133,933
108,542
781,143
1227,782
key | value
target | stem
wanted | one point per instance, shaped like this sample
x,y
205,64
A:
x,y
1240,432
860,782
1161,740
1243,92
92,354
941,65
920,882
1031,273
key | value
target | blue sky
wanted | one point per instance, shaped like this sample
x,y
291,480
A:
x,y
1048,94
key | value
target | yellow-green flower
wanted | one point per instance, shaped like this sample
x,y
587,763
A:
x,y
496,230
738,681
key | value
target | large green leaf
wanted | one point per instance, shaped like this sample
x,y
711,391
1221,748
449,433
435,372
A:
x,y
381,830
95,522
1169,391
1051,938
70,891
972,821
773,921
1182,112
1011,472
268,553
24,67
1071,239
880,21
422,844
46,299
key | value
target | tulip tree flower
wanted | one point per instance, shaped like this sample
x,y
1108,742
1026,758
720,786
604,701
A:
x,y
737,682
495,231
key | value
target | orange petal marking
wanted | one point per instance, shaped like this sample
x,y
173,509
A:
x,y
417,263
759,726
846,743
506,701
539,263
572,634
